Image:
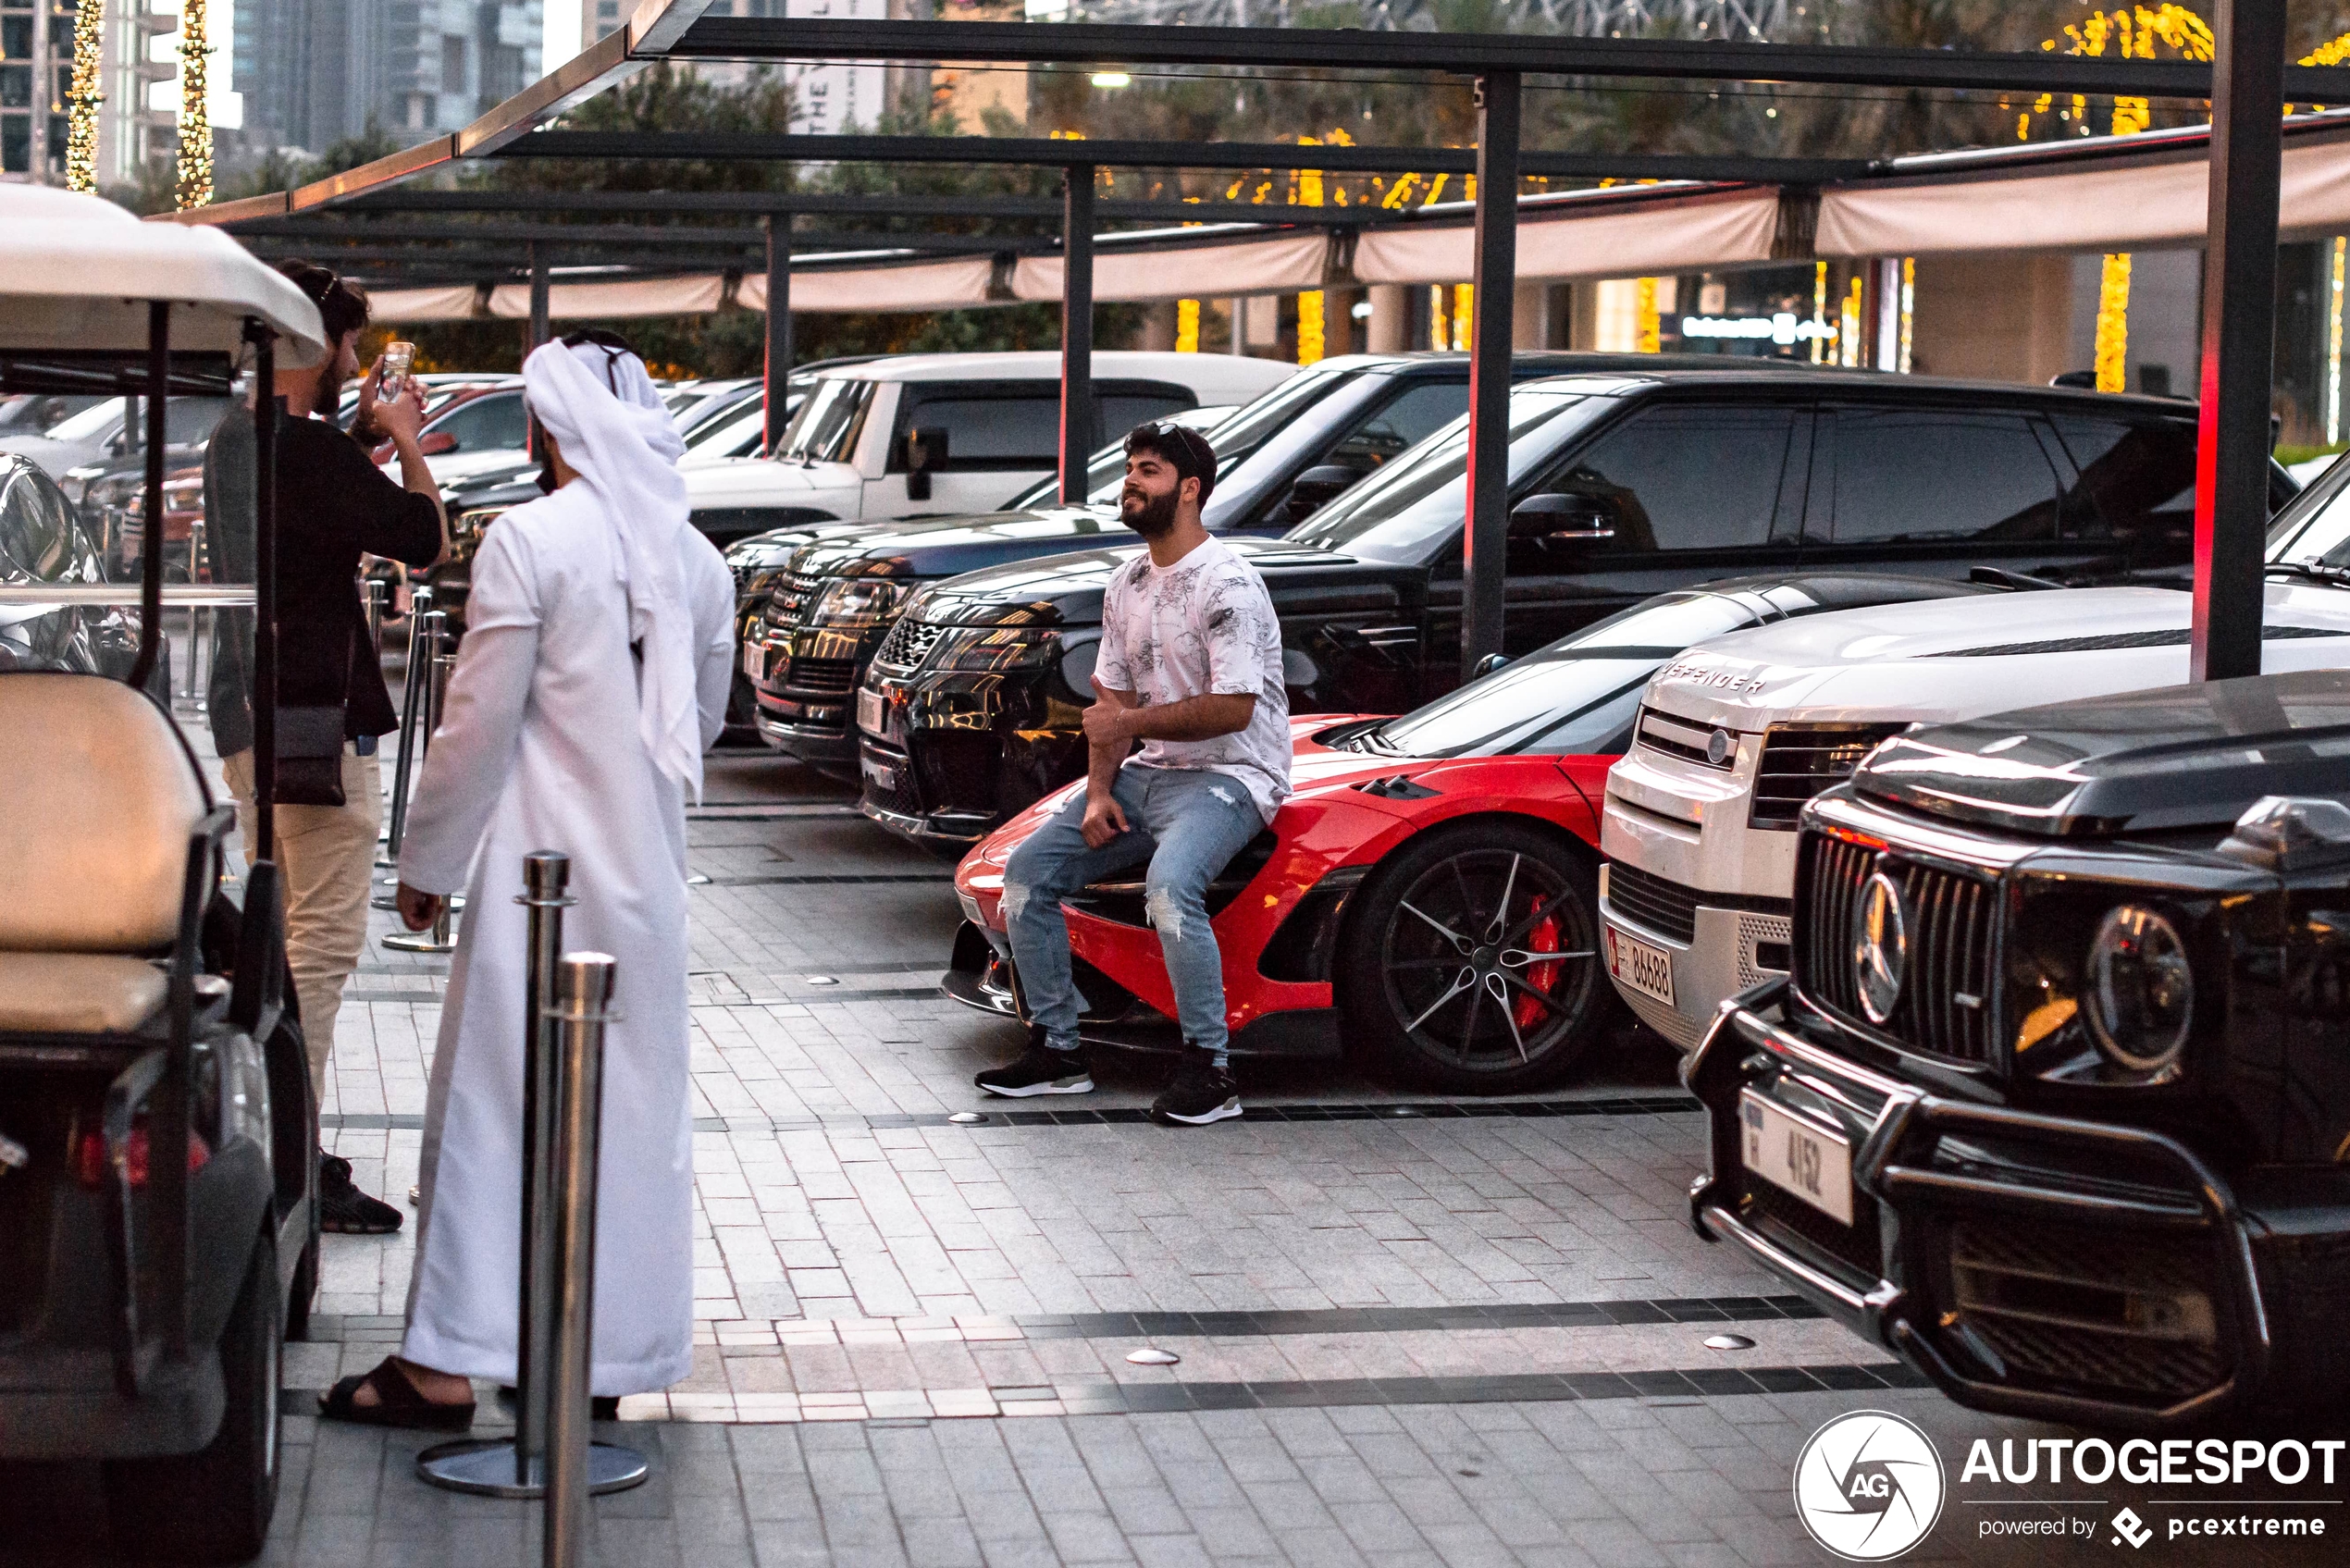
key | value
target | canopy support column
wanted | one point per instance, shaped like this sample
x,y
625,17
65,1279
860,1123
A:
x,y
2239,330
538,328
151,529
265,590
1486,539
778,327
1077,331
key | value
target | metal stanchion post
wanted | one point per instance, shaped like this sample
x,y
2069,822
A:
x,y
191,690
410,711
442,657
550,1454
374,587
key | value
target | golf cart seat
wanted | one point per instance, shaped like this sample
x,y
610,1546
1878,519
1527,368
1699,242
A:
x,y
103,801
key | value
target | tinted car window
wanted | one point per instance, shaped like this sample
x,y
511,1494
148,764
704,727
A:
x,y
1020,432
496,423
1931,474
1576,696
2138,478
1407,420
1121,412
1703,478
1419,500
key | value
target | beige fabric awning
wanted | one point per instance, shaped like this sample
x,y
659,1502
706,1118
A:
x,y
454,303
1617,234
2142,203
693,295
957,284
1278,264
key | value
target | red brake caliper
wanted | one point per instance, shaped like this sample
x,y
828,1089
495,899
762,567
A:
x,y
1543,938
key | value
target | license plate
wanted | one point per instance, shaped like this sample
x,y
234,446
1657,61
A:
x,y
755,660
868,710
1646,969
1794,1156
880,774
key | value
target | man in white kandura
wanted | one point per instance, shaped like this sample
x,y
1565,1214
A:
x,y
593,675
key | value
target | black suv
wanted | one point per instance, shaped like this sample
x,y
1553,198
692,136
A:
x,y
834,592
2054,1103
1621,487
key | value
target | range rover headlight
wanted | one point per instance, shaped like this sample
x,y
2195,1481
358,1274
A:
x,y
2139,989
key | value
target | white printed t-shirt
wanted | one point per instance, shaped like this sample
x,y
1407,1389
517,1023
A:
x,y
1204,625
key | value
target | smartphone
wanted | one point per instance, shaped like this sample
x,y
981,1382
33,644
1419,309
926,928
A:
x,y
398,359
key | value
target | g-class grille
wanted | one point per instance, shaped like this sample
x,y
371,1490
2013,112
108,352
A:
x,y
908,644
1945,1005
1665,907
1800,761
2132,1315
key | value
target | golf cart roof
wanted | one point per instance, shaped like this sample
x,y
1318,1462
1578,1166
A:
x,y
76,274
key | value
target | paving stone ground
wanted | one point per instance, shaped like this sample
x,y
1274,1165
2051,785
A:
x,y
1405,1338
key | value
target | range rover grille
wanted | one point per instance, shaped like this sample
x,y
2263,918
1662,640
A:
x,y
1665,907
1945,1006
794,597
2132,1314
1800,761
908,644
819,677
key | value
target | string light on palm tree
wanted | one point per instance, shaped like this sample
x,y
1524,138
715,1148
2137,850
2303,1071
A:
x,y
195,113
83,97
1187,326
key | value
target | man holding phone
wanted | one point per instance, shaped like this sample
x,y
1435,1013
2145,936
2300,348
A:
x,y
333,505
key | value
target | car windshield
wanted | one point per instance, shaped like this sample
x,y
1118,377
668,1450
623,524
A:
x,y
88,424
2314,525
1576,696
1105,470
1418,499
825,427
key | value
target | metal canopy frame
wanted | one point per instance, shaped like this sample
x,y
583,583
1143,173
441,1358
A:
x,y
2247,84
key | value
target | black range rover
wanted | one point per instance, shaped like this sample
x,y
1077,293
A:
x,y
2057,1101
1622,487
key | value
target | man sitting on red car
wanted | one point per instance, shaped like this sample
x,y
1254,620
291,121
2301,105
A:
x,y
1190,666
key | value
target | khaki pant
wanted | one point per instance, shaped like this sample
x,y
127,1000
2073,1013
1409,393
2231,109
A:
x,y
327,855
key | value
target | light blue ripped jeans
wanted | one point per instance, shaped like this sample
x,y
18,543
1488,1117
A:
x,y
1188,824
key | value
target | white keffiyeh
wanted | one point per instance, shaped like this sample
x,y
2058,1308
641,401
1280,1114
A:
x,y
617,434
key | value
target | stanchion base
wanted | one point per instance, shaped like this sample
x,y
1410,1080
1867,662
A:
x,y
420,942
485,1466
391,900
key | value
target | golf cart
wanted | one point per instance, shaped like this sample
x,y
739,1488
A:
x,y
157,1235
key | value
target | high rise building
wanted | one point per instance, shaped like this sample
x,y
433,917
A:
x,y
316,71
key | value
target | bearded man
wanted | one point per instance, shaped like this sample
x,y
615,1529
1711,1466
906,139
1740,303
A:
x,y
598,648
1191,667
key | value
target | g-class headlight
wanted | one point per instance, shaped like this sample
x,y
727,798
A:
x,y
861,601
2139,989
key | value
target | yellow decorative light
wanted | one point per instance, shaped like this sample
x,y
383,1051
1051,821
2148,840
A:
x,y
1311,337
81,122
1439,334
2333,343
2113,325
1187,326
1647,335
1464,316
1848,338
196,115
1819,311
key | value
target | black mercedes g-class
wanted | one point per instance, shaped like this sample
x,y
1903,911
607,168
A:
x,y
2056,1103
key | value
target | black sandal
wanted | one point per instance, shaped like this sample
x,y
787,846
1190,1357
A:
x,y
397,1403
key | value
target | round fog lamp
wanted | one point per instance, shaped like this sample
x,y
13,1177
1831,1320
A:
x,y
2141,989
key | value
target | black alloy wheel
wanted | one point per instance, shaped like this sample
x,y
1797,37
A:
x,y
215,1505
1471,963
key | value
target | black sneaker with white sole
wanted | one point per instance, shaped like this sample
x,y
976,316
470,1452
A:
x,y
1040,1070
1202,1092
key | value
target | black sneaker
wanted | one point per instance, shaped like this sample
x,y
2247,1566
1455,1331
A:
x,y
1202,1092
345,1210
1040,1070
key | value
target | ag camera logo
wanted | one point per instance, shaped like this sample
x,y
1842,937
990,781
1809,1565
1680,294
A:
x,y
1869,1485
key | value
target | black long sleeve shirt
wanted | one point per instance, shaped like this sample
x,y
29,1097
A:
x,y
333,506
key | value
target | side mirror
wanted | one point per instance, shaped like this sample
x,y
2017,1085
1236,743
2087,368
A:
x,y
924,455
1564,519
438,442
1488,664
1318,486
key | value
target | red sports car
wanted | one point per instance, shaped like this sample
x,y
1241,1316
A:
x,y
1429,893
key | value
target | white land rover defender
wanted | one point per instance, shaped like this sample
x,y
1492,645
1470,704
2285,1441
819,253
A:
x,y
1737,735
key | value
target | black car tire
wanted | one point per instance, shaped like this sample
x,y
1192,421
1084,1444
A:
x,y
742,712
304,1289
1479,1015
215,1505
